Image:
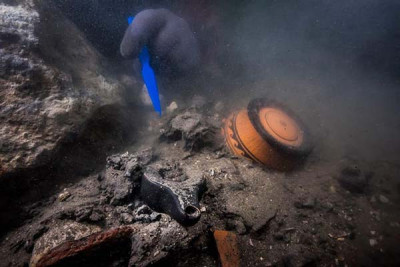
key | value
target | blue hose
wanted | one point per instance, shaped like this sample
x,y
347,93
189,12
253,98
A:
x,y
148,76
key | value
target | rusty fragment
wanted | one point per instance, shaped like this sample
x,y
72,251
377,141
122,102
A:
x,y
60,255
227,248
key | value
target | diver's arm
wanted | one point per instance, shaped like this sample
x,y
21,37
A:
x,y
145,25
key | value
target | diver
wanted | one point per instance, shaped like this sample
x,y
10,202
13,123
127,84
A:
x,y
172,45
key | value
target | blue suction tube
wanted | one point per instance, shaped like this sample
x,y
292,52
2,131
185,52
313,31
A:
x,y
149,76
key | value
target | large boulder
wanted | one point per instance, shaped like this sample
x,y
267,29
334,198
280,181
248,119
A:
x,y
51,81
52,85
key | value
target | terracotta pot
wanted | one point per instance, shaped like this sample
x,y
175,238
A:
x,y
268,133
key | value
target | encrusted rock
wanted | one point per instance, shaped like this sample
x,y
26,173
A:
x,y
192,128
172,107
40,104
54,87
156,240
122,174
353,179
118,187
146,215
63,195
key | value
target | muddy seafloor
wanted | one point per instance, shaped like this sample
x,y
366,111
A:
x,y
325,213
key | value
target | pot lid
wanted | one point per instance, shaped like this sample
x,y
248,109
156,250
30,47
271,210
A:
x,y
279,126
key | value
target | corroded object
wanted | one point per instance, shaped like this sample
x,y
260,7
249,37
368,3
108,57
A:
x,y
179,199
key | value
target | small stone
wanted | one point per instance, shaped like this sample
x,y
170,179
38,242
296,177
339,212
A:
x,y
219,106
155,217
373,199
309,203
373,242
251,242
64,195
376,215
353,180
212,172
240,227
96,216
172,107
328,206
126,218
203,209
144,209
131,166
237,187
237,226
383,199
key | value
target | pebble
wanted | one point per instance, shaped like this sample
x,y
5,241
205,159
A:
x,y
126,218
64,195
376,215
383,199
172,107
240,227
155,216
353,180
307,203
251,242
373,242
212,172
373,232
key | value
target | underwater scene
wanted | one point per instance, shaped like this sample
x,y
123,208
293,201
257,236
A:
x,y
199,133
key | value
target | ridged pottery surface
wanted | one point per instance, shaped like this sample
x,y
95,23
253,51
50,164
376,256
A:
x,y
243,140
266,134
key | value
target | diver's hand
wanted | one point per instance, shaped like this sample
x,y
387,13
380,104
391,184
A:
x,y
172,45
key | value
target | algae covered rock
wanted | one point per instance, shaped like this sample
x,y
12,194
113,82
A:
x,y
51,80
